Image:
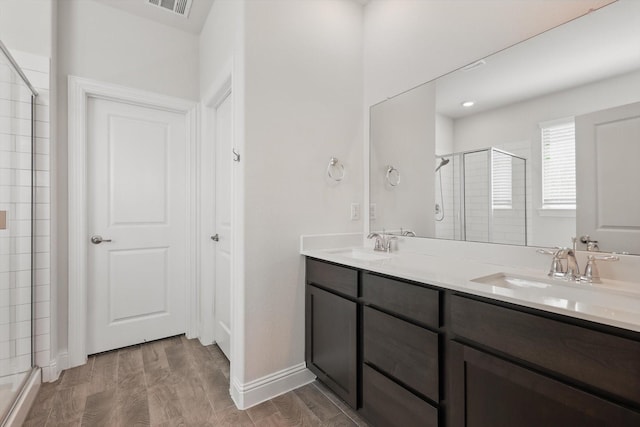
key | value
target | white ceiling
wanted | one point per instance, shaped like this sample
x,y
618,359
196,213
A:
x,y
192,24
599,45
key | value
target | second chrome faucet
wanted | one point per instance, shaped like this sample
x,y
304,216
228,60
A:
x,y
564,265
382,242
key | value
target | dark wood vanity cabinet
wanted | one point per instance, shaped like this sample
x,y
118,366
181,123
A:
x,y
332,328
508,367
407,354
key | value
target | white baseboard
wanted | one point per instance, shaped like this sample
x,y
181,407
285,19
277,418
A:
x,y
56,366
206,340
270,386
20,410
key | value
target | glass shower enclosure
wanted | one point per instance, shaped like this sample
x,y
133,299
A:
x,y
481,196
17,98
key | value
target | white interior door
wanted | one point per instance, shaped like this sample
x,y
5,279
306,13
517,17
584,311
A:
x,y
137,186
607,173
224,146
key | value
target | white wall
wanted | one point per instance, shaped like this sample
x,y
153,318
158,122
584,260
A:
x,y
409,42
25,25
303,106
103,43
219,41
403,135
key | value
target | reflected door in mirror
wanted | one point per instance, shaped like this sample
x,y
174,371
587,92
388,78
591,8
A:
x,y
608,172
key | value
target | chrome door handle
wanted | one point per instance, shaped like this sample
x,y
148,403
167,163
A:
x,y
215,238
97,239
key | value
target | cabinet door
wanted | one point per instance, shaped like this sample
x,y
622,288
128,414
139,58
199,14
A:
x,y
490,392
331,342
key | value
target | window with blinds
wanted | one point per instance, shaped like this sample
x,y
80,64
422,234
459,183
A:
x,y
501,180
558,164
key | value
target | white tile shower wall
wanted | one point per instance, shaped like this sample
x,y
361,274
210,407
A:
x,y
512,227
15,331
476,196
503,225
15,152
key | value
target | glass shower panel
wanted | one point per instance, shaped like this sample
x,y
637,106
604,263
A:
x,y
508,216
16,360
481,196
477,196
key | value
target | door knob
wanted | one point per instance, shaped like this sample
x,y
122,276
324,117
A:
x,y
215,238
97,239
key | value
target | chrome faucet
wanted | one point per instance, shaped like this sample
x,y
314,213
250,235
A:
x,y
592,245
387,243
382,243
564,264
407,233
379,243
591,273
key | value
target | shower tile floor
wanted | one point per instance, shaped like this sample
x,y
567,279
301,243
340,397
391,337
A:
x,y
173,382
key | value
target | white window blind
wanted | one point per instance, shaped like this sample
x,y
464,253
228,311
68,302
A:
x,y
559,165
501,180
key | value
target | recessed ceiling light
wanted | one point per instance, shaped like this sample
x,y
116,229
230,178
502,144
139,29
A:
x,y
467,104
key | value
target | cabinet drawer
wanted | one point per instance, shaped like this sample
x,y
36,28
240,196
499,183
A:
x,y
411,301
404,351
595,358
385,403
340,279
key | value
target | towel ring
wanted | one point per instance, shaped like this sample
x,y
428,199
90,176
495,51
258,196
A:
x,y
393,176
335,170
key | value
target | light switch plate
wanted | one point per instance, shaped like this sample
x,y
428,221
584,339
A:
x,y
355,211
3,220
372,211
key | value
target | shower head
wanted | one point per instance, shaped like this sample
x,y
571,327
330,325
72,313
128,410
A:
x,y
442,163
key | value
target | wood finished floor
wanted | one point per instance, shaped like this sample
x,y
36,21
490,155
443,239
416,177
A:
x,y
172,382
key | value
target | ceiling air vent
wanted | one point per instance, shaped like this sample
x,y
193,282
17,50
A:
x,y
179,7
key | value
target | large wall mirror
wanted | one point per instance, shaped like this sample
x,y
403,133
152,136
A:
x,y
530,146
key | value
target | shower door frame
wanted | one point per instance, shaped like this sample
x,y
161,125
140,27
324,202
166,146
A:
x,y
31,382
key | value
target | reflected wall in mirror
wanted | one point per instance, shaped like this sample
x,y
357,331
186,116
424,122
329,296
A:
x,y
547,150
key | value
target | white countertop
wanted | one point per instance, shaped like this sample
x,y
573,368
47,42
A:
x,y
613,303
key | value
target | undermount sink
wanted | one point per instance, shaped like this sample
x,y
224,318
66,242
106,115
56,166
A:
x,y
555,286
513,281
362,254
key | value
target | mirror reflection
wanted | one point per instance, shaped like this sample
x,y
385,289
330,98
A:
x,y
529,146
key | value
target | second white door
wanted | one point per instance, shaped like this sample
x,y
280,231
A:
x,y
137,205
223,200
